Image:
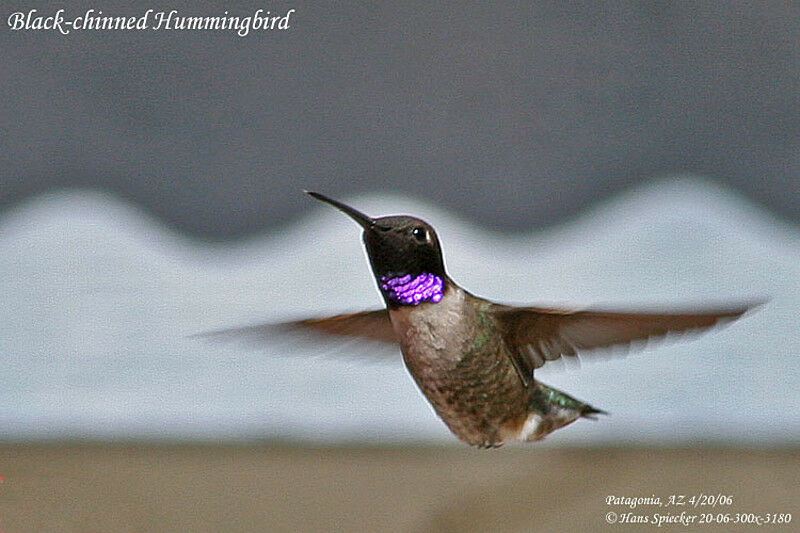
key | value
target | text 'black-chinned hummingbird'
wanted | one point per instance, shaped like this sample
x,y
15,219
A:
x,y
474,359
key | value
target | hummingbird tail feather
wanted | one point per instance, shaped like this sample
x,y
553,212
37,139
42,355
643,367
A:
x,y
591,412
546,398
551,409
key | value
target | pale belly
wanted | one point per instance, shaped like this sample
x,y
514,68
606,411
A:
x,y
472,386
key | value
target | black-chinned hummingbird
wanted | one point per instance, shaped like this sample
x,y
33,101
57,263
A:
x,y
472,358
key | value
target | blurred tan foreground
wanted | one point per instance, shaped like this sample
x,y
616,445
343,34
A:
x,y
86,487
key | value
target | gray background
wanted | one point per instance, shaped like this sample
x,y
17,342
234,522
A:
x,y
512,117
515,115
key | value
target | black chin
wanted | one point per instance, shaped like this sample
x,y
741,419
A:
x,y
389,258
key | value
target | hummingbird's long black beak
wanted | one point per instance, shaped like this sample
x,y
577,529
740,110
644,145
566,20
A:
x,y
363,220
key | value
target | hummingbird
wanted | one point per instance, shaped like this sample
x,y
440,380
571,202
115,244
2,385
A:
x,y
472,358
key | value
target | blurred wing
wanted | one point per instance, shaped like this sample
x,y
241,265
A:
x,y
370,325
373,325
539,335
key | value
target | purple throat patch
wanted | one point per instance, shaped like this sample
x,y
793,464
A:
x,y
408,290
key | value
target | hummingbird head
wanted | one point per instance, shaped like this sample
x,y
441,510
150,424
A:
x,y
404,253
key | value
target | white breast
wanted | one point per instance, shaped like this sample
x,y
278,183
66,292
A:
x,y
431,328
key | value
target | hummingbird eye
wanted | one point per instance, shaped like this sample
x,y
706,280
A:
x,y
420,233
